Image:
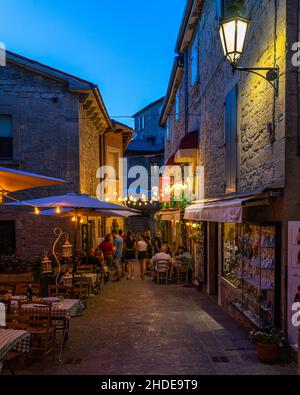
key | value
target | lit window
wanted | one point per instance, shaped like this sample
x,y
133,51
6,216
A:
x,y
6,137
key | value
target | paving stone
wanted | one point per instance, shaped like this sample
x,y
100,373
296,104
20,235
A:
x,y
139,327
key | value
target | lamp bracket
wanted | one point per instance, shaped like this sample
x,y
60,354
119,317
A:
x,y
59,233
271,74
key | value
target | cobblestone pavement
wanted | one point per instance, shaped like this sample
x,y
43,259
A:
x,y
139,327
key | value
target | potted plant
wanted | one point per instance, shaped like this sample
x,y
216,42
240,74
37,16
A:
x,y
268,345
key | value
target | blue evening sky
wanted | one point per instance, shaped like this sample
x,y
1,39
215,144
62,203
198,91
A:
x,y
125,46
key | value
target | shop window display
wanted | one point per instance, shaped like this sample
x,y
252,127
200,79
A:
x,y
249,260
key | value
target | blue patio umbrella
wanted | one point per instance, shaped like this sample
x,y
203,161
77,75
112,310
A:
x,y
77,203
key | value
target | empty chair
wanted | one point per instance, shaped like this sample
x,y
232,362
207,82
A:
x,y
162,270
86,269
43,333
81,291
7,304
183,269
16,321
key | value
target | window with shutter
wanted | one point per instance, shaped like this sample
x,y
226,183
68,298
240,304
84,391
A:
x,y
168,130
194,61
231,146
177,106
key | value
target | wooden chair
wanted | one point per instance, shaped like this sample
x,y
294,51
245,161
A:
x,y
7,304
16,321
162,269
43,333
183,268
7,287
86,269
81,291
60,290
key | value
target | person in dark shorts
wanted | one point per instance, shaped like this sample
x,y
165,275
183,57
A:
x,y
142,248
129,252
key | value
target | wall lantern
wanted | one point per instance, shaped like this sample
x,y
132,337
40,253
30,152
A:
x,y
233,32
46,264
68,279
67,249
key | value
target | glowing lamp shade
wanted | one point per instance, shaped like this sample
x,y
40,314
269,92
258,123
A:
x,y
67,249
233,33
46,265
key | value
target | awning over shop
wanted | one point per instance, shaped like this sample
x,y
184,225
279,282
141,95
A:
x,y
230,211
171,160
226,209
168,215
188,148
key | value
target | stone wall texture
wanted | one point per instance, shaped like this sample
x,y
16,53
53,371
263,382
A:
x,y
53,137
261,162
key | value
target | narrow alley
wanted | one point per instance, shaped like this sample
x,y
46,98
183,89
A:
x,y
139,327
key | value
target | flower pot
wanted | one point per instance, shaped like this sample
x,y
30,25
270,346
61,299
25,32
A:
x,y
268,353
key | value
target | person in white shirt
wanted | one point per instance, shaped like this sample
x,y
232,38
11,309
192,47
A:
x,y
162,255
142,248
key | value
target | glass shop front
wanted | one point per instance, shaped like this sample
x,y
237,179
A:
x,y
250,281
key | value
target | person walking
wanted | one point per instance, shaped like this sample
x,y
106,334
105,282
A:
x,y
130,249
150,249
118,245
108,250
142,248
157,243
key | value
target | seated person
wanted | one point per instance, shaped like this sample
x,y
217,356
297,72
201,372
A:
x,y
162,255
92,259
183,258
180,251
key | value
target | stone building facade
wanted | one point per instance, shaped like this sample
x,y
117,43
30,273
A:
x,y
266,140
57,122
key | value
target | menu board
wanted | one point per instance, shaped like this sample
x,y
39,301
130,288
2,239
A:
x,y
293,280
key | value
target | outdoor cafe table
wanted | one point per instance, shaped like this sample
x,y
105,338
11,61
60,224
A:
x,y
91,280
62,310
11,339
66,308
89,277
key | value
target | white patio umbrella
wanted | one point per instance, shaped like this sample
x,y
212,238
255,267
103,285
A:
x,y
14,180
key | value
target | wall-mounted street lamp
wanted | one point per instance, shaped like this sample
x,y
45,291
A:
x,y
233,32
